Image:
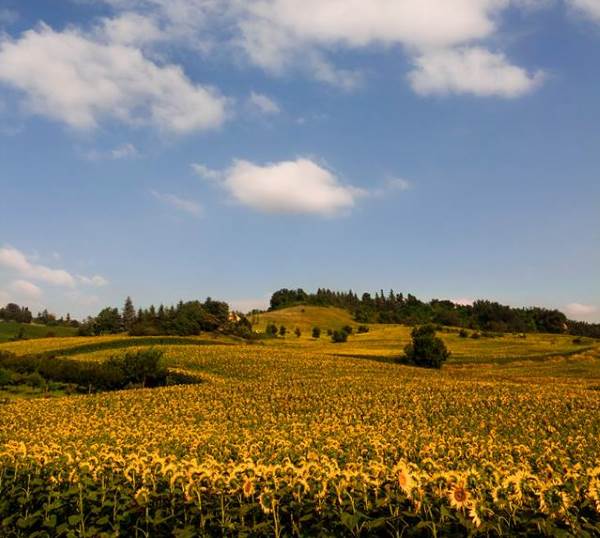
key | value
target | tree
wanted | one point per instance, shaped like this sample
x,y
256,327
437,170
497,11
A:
x,y
271,329
108,321
339,337
426,348
298,332
316,332
282,330
128,314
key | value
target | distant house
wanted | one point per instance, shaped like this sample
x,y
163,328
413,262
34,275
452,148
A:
x,y
234,316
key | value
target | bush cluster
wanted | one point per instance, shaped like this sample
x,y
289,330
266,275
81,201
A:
x,y
426,349
142,368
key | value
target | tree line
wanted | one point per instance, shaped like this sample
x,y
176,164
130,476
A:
x,y
22,314
397,308
184,319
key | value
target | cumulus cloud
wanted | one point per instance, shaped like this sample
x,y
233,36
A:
x,y
131,29
187,206
25,289
81,80
15,260
578,309
471,70
263,103
278,35
300,186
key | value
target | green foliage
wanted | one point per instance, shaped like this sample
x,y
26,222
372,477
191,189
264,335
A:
x,y
347,329
297,332
426,349
282,330
463,333
141,368
362,329
316,332
271,329
339,337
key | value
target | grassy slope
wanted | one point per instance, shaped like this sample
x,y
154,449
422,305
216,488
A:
x,y
383,342
9,329
306,317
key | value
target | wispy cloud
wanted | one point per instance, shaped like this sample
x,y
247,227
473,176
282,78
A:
x,y
187,206
263,104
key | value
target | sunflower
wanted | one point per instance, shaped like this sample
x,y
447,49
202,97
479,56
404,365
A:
x,y
405,480
266,501
248,488
459,496
142,496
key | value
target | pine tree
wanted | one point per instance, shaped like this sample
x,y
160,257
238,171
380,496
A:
x,y
128,314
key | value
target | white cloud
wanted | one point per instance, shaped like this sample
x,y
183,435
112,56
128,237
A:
x,y
81,80
263,104
25,289
206,173
124,151
300,186
279,35
13,259
131,29
474,70
590,8
187,206
578,309
96,280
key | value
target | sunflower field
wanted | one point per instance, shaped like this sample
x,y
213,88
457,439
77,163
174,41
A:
x,y
305,441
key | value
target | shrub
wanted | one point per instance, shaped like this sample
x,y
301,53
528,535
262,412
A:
x,y
347,329
5,377
271,329
339,337
329,332
362,329
282,330
316,332
578,340
426,349
298,332
475,336
463,333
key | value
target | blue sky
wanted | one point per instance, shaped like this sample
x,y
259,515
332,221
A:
x,y
178,149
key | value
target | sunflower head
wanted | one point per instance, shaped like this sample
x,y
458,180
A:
x,y
459,496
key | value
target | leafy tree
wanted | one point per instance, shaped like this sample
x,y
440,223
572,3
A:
x,y
339,337
426,349
108,321
271,329
298,332
316,332
282,330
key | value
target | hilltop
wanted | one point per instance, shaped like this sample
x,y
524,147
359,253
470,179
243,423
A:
x,y
305,318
